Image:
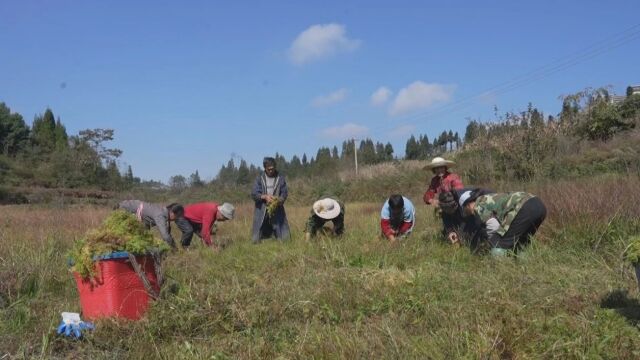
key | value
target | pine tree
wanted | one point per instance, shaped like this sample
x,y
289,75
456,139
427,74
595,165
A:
x,y
334,153
129,176
194,180
380,154
244,176
388,150
411,149
14,132
43,131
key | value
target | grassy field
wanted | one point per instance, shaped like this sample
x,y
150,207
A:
x,y
569,296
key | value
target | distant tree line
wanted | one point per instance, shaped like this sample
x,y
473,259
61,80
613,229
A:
x,y
44,155
328,161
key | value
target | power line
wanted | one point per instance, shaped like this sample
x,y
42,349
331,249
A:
x,y
598,48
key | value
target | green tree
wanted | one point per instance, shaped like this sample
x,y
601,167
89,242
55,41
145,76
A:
x,y
629,91
60,136
380,154
472,131
411,151
178,183
129,178
334,153
14,133
367,152
244,175
630,108
113,178
194,180
388,150
43,132
96,138
603,122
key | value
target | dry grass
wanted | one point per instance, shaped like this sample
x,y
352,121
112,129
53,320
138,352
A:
x,y
345,298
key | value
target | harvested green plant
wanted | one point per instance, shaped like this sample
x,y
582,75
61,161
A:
x,y
121,231
272,206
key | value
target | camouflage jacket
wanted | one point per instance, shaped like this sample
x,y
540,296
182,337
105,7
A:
x,y
502,206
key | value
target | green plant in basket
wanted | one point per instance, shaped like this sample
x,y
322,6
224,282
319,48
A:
x,y
632,252
121,231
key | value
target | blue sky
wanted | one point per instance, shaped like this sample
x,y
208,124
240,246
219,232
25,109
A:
x,y
187,84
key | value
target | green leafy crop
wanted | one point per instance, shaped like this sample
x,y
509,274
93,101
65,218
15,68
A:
x,y
121,231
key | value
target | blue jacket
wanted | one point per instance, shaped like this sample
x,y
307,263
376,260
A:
x,y
279,220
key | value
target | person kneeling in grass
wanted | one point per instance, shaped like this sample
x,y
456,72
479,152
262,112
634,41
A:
x,y
326,209
155,215
200,218
510,219
397,218
457,228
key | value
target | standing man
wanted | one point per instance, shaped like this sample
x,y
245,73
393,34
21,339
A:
x,y
200,218
327,208
155,215
269,194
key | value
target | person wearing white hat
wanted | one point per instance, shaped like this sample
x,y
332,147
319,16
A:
x,y
200,218
442,181
327,208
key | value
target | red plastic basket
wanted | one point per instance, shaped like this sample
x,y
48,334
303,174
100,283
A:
x,y
116,290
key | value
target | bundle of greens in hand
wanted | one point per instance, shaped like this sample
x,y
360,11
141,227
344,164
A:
x,y
272,206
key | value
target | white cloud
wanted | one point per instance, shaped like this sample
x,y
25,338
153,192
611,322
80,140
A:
x,y
331,98
380,96
420,95
348,130
319,42
402,131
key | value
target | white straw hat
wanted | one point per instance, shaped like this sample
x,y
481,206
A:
x,y
326,208
438,161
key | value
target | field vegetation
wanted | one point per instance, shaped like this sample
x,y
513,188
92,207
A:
x,y
571,295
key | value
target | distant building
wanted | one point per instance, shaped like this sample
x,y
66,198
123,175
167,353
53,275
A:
x,y
618,99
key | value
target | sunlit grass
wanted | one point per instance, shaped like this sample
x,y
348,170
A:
x,y
352,297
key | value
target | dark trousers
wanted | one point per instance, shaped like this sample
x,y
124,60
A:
x,y
523,226
267,230
187,228
338,224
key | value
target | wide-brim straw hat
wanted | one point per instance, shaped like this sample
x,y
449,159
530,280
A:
x,y
326,208
438,162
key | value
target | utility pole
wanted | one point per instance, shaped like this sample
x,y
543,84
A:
x,y
355,151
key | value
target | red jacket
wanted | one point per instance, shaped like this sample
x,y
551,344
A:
x,y
204,213
387,230
448,182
